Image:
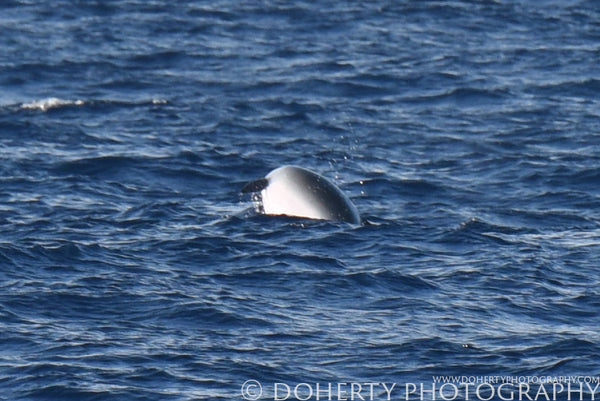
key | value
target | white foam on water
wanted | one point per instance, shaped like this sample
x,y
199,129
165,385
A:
x,y
51,103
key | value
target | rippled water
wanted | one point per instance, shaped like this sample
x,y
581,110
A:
x,y
466,133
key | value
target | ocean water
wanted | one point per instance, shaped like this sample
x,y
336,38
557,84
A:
x,y
466,133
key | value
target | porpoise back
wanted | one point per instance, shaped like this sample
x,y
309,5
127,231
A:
x,y
299,192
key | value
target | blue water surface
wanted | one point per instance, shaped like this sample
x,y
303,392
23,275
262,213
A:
x,y
131,268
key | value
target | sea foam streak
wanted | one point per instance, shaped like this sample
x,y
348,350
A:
x,y
51,103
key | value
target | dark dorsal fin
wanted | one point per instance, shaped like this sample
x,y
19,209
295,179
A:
x,y
256,185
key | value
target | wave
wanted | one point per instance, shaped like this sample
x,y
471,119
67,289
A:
x,y
51,103
54,103
584,88
95,165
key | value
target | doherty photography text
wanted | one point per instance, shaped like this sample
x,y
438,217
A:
x,y
445,388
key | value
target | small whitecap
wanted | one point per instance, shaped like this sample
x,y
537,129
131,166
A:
x,y
51,103
159,101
